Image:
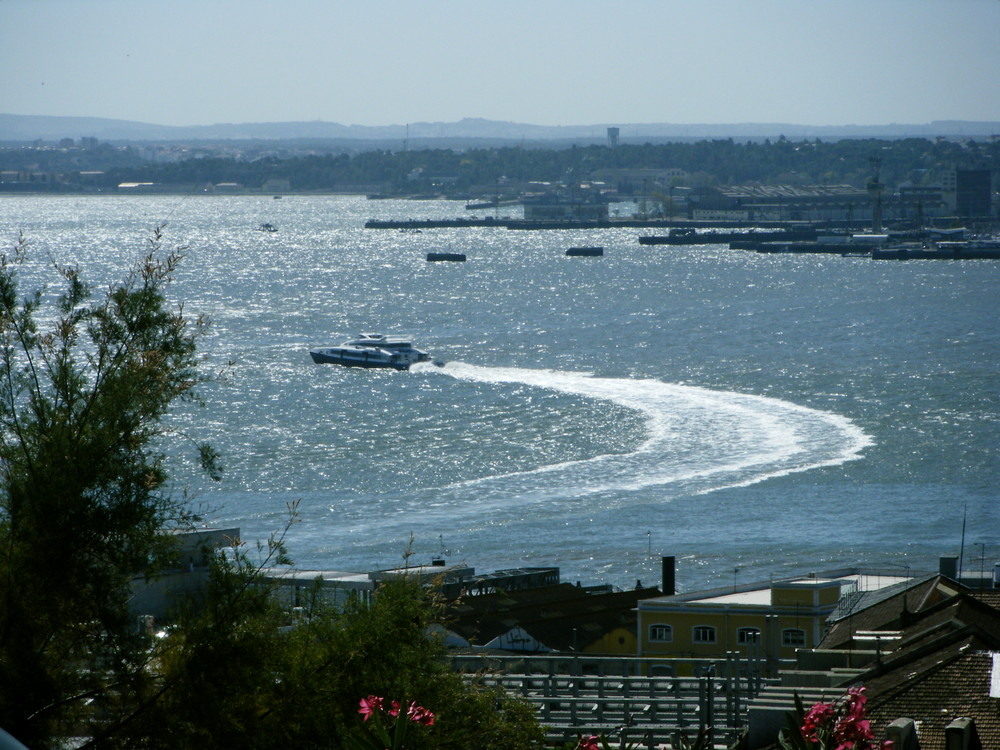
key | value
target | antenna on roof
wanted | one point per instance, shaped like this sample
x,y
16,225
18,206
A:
x,y
961,549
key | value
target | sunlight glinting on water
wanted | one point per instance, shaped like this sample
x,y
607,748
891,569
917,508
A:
x,y
731,392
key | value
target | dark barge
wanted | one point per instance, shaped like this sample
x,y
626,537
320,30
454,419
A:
x,y
585,252
691,237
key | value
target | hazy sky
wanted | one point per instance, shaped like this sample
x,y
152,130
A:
x,y
545,62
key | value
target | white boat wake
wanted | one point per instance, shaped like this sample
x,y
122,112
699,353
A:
x,y
697,440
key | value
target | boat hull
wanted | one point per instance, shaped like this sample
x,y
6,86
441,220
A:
x,y
371,350
361,358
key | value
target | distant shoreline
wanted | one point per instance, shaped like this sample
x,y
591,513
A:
x,y
468,131
168,192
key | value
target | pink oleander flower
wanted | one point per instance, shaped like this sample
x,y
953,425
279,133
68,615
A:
x,y
419,715
588,743
855,702
840,725
850,733
389,728
857,694
370,705
817,717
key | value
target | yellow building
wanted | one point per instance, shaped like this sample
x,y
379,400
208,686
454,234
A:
x,y
769,620
618,642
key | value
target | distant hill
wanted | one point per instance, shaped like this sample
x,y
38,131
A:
x,y
28,128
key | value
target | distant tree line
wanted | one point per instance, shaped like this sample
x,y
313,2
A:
x,y
783,161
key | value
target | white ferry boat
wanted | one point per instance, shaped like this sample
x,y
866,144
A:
x,y
371,350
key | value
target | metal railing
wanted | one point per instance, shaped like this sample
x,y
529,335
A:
x,y
625,698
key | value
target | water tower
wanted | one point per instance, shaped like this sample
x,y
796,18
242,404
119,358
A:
x,y
613,137
875,187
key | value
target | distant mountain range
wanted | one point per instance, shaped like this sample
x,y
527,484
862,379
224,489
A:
x,y
28,128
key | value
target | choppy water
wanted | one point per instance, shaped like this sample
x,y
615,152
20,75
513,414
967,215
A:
x,y
754,415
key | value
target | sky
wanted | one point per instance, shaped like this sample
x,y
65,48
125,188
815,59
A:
x,y
541,62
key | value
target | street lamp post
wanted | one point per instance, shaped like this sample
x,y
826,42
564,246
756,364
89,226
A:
x,y
982,562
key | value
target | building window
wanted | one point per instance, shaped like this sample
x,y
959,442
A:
x,y
748,635
661,633
793,637
704,634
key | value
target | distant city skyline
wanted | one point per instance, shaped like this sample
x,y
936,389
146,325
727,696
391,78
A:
x,y
809,62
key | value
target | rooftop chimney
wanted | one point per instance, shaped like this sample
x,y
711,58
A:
x,y
903,734
961,734
948,567
669,584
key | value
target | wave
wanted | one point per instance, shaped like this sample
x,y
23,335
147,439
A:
x,y
697,440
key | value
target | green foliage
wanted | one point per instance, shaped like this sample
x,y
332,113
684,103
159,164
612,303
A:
x,y
384,649
215,671
701,741
231,675
375,735
825,726
387,723
81,484
790,736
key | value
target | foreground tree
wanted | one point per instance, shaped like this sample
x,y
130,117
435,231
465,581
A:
x,y
82,498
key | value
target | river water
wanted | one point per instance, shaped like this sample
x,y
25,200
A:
x,y
753,415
